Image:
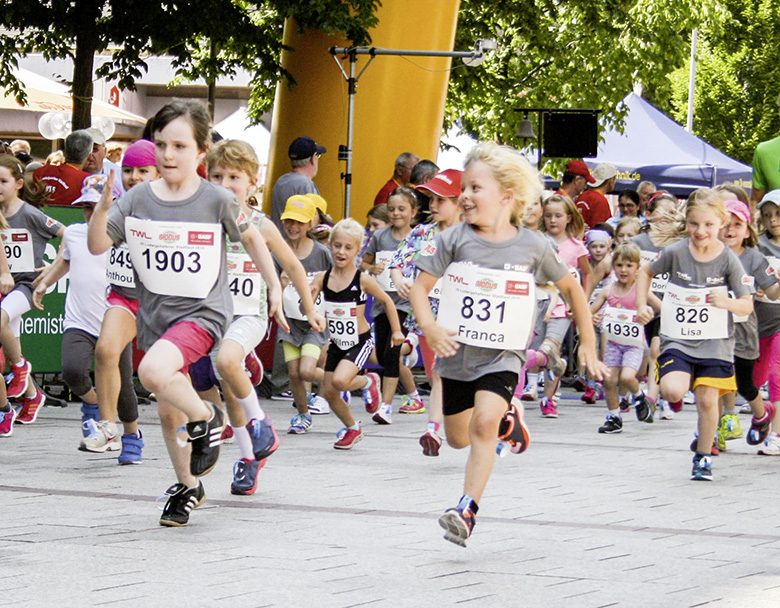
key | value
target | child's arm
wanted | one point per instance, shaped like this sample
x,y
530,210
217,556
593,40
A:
x,y
438,338
367,265
316,286
371,287
255,246
644,313
773,292
599,272
295,271
598,303
589,360
654,302
741,306
402,286
98,240
586,270
58,269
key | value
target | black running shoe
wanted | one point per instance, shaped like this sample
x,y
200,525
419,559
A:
x,y
181,500
204,435
613,424
513,430
644,413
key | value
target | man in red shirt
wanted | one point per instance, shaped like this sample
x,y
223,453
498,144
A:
x,y
576,177
401,176
593,203
63,182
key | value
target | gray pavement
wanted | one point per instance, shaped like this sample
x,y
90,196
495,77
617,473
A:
x,y
580,520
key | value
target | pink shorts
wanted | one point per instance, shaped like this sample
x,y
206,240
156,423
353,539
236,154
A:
x,y
620,355
117,300
192,341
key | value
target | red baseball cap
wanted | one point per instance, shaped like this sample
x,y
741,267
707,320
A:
x,y
578,167
445,184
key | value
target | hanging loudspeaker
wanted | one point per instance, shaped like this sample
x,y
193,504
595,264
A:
x,y
105,125
54,125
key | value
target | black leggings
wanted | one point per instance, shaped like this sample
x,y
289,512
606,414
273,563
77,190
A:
x,y
78,353
389,356
743,370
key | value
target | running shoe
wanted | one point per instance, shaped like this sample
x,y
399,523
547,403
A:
x,y
720,439
589,396
689,398
283,396
371,395
413,357
7,422
732,429
580,383
458,523
103,436
665,411
384,415
318,405
31,407
348,440
430,442
529,393
227,434
676,406
412,406
745,409
245,474
132,448
625,405
714,451
17,381
265,440
702,468
513,430
204,436
613,424
642,409
548,407
254,368
771,446
181,500
759,428
299,424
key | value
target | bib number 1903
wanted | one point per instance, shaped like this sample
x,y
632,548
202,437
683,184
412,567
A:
x,y
177,261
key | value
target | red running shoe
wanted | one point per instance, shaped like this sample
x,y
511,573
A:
x,y
348,440
254,368
371,395
20,378
31,406
675,405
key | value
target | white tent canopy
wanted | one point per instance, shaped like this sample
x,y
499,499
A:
x,y
237,126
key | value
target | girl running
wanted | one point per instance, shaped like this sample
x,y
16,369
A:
x,y
174,228
490,267
695,319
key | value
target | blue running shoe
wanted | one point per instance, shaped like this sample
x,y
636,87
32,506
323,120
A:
x,y
132,446
265,441
245,474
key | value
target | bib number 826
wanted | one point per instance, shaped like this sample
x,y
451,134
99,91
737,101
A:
x,y
481,309
691,315
175,260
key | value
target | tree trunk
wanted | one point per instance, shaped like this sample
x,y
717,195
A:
x,y
86,12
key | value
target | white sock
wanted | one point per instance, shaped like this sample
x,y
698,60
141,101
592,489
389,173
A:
x,y
533,380
251,406
244,442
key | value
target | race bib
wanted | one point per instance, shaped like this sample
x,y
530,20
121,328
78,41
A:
x,y
383,278
245,284
436,290
658,282
774,269
342,323
119,268
175,258
18,249
487,307
291,300
620,326
687,314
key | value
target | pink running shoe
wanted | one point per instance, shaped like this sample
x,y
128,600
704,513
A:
x,y
254,368
430,442
371,395
20,378
348,440
31,407
548,407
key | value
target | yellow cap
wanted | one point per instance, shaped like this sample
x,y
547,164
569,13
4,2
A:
x,y
300,208
319,202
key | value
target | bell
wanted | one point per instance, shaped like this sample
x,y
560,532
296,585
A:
x,y
526,130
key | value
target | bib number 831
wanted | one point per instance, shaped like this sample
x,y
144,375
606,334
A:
x,y
481,309
691,315
177,261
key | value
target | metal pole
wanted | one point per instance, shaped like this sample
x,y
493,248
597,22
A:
x,y
351,92
539,141
692,79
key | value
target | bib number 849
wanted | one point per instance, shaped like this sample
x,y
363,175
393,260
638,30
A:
x,y
481,309
175,260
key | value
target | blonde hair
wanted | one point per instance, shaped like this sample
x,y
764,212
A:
x,y
350,227
629,222
233,154
738,192
701,199
626,252
512,171
380,213
575,228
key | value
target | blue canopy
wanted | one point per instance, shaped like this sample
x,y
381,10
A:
x,y
653,147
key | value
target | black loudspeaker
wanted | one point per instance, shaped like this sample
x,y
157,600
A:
x,y
570,133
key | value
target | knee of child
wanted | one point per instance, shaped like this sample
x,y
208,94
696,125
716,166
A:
x,y
107,353
151,376
456,442
341,383
672,393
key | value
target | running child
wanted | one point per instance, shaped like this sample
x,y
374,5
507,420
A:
x,y
344,288
174,227
696,316
614,309
626,229
490,265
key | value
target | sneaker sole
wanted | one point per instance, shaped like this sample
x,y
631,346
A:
x,y
101,450
701,477
35,414
403,411
379,420
614,432
430,446
169,523
357,439
455,530
20,393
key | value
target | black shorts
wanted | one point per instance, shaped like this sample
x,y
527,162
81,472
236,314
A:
x,y
458,395
653,329
714,373
357,354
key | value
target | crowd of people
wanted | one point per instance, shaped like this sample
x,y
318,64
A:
x,y
496,288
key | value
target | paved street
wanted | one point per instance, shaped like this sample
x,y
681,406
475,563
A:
x,y
581,520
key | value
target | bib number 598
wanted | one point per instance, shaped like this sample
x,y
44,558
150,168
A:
x,y
340,328
177,261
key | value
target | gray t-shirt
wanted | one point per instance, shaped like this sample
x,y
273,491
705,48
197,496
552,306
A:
x,y
317,261
527,252
746,332
384,241
287,185
768,313
645,244
210,204
42,229
685,271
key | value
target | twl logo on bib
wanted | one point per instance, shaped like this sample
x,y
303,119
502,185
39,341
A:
x,y
175,258
488,307
18,249
245,284
689,315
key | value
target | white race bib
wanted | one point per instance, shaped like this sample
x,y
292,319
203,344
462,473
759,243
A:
x,y
435,292
291,300
119,268
18,249
342,323
487,307
383,278
687,314
620,326
774,269
658,282
175,258
245,284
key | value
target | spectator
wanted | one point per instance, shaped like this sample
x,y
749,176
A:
x,y
645,189
304,154
576,177
20,148
55,158
98,164
402,175
422,172
629,205
766,168
593,204
114,152
63,182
